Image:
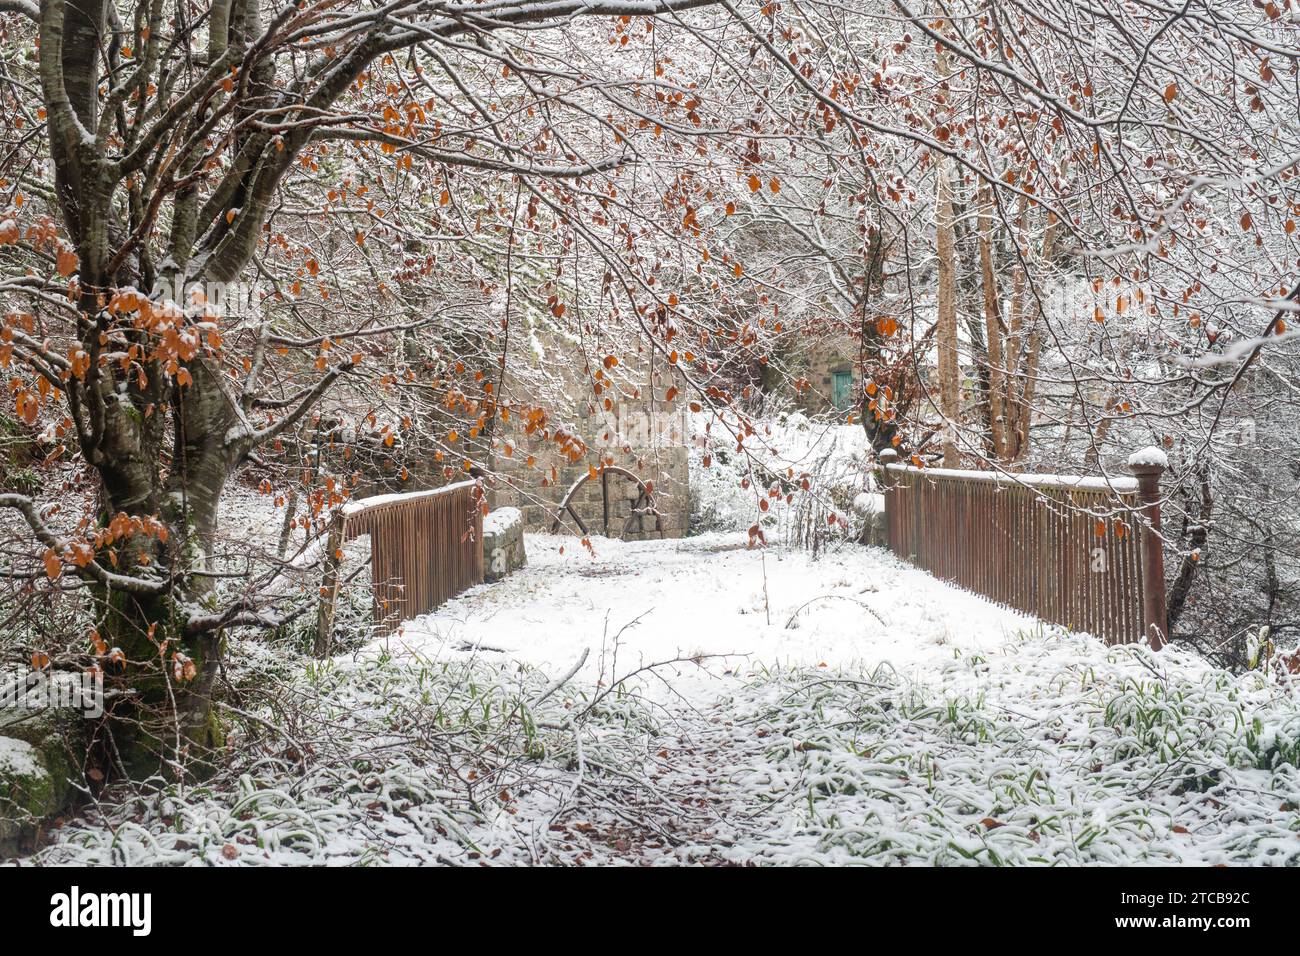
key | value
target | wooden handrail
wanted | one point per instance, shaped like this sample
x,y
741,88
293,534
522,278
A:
x,y
425,548
1085,552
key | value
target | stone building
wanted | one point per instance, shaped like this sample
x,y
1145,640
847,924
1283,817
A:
x,y
614,445
829,367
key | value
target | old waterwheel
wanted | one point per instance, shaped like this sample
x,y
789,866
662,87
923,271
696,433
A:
x,y
643,506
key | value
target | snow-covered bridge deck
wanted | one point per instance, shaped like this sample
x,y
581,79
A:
x,y
711,595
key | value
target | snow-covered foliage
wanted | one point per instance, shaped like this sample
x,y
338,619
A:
x,y
728,484
1054,750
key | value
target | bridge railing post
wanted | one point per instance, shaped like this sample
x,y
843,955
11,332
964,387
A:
x,y
884,481
1147,466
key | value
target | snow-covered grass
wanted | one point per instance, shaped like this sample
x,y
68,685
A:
x,y
733,705
1054,750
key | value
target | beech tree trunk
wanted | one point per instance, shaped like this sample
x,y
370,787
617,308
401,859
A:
x,y
946,331
994,328
164,453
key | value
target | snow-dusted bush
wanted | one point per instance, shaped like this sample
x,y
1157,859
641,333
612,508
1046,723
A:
x,y
385,760
816,468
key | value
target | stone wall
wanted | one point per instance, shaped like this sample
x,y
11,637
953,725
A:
x,y
648,439
42,746
503,543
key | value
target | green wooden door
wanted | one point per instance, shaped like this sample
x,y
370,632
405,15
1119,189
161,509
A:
x,y
842,390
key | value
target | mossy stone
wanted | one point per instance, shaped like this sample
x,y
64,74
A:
x,y
29,792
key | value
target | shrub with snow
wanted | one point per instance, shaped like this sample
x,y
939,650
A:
x,y
727,486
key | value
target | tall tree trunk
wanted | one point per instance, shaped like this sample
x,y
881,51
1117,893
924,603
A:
x,y
994,327
172,671
946,329
1032,352
878,413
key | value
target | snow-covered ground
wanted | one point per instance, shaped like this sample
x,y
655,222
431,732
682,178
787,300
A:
x,y
856,711
737,609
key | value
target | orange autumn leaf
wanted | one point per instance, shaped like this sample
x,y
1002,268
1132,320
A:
x,y
66,262
183,668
